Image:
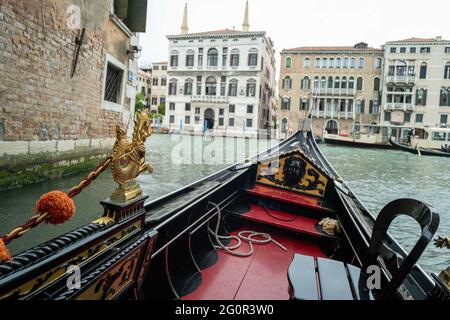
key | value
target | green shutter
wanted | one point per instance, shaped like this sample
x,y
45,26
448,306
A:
x,y
137,15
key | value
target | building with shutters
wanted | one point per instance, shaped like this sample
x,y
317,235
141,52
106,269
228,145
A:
x,y
337,86
416,84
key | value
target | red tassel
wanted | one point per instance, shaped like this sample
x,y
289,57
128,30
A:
x,y
58,205
4,253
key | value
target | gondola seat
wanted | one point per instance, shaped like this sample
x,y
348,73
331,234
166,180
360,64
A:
x,y
312,278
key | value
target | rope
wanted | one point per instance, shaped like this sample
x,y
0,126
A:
x,y
41,217
90,178
248,236
279,218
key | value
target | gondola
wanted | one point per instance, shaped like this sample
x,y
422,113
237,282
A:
x,y
421,151
280,226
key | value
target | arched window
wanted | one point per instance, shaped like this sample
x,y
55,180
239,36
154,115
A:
x,y
323,83
331,63
286,103
359,84
330,83
353,63
351,83
306,84
316,82
423,70
337,83
344,83
318,63
401,68
324,63
338,63
361,63
376,84
306,63
288,63
213,57
287,83
211,86
345,64
357,126
284,125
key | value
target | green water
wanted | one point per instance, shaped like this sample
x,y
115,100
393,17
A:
x,y
377,177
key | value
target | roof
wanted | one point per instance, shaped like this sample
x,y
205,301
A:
x,y
333,49
414,39
221,32
417,40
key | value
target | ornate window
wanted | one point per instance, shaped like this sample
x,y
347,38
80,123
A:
x,y
211,86
188,87
306,63
190,58
306,84
318,61
287,83
174,58
213,57
251,88
359,84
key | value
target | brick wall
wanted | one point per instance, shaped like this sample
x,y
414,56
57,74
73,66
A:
x,y
38,99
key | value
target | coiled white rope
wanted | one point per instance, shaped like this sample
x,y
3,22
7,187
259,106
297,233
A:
x,y
248,236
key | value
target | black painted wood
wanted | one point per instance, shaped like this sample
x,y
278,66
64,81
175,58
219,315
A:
x,y
313,278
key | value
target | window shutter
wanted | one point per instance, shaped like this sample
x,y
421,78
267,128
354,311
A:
x,y
363,104
425,93
137,15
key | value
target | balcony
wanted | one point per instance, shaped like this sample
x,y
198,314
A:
x,y
210,99
401,79
333,92
399,106
333,114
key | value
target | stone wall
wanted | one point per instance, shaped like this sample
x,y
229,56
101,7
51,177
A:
x,y
42,109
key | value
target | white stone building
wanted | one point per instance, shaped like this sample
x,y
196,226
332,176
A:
x,y
222,82
416,84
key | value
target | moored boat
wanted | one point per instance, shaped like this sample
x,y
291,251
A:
x,y
363,136
419,150
282,225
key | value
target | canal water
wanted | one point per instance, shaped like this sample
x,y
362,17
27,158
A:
x,y
376,176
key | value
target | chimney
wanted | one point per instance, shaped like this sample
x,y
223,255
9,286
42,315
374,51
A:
x,y
246,24
184,26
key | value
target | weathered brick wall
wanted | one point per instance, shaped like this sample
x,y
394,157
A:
x,y
38,99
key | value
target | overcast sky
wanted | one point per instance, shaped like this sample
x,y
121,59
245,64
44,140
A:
x,y
294,23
